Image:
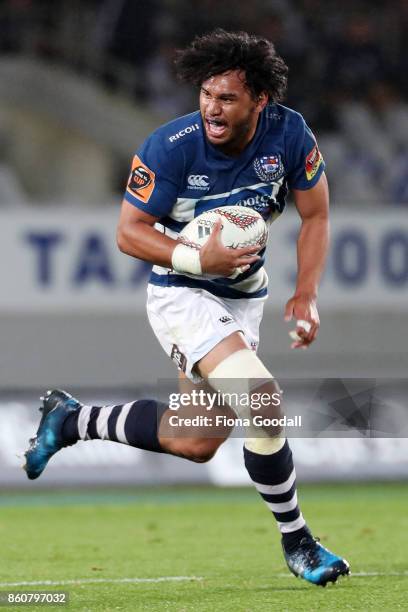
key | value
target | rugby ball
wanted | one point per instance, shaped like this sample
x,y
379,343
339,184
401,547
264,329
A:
x,y
241,227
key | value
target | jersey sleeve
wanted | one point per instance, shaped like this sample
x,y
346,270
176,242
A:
x,y
154,180
305,160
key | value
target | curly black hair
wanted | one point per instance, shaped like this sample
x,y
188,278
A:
x,y
220,51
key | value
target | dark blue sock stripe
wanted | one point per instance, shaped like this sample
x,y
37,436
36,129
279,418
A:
x,y
142,423
282,497
287,517
269,469
112,420
91,430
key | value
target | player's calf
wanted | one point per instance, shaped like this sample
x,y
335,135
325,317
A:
x,y
199,450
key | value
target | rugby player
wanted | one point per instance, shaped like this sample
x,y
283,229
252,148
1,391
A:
x,y
242,147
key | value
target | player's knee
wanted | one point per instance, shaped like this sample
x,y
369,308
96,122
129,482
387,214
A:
x,y
201,451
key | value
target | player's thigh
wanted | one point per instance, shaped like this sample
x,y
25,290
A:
x,y
235,342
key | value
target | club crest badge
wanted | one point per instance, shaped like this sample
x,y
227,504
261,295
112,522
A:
x,y
269,168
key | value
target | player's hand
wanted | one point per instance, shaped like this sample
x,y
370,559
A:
x,y
218,260
303,309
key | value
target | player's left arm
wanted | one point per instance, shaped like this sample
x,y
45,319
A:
x,y
312,247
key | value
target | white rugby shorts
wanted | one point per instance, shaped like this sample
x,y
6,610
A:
x,y
188,322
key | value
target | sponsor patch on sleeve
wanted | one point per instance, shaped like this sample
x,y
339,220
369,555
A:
x,y
313,162
141,181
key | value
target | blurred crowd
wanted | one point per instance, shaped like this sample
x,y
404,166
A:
x,y
348,67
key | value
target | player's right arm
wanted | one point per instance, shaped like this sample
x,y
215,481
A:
x,y
137,237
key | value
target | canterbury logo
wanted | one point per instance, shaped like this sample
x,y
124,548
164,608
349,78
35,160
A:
x,y
198,180
226,319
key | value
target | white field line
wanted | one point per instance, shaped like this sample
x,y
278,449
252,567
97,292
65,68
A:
x,y
80,581
357,574
101,581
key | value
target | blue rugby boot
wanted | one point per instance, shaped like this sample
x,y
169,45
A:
x,y
57,405
313,562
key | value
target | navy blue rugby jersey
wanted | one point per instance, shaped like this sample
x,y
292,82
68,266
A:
x,y
177,174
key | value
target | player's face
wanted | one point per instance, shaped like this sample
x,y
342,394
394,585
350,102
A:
x,y
229,111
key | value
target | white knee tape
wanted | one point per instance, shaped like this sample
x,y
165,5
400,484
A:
x,y
233,377
265,446
243,364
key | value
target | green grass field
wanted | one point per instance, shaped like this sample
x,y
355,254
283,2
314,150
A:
x,y
223,540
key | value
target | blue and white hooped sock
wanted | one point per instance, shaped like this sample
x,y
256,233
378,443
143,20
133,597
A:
x,y
134,423
274,477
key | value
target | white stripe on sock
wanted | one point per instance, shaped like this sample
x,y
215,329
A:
x,y
83,420
120,423
276,489
292,525
283,506
102,422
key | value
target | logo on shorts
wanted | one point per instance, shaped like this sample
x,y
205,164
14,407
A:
x,y
141,181
198,181
178,357
226,320
269,167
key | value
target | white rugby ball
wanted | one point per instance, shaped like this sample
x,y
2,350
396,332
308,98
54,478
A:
x,y
241,227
